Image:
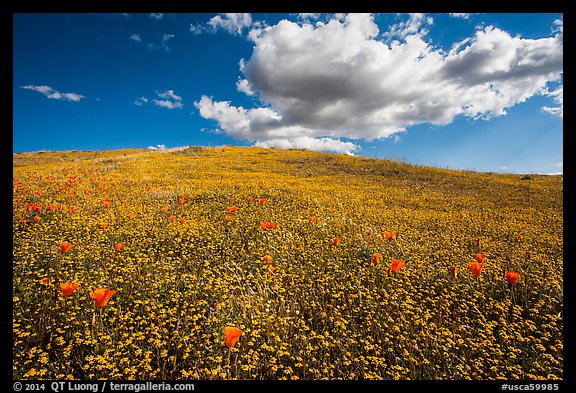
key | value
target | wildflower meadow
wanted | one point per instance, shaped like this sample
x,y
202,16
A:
x,y
251,263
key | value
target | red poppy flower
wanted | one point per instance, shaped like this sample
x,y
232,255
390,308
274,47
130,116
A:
x,y
232,335
397,264
336,240
65,247
101,296
512,277
476,268
480,257
453,271
68,288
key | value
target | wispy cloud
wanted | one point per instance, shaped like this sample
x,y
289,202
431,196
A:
x,y
54,94
156,16
136,37
167,99
462,15
233,23
343,79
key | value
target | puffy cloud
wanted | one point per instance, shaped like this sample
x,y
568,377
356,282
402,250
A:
x,y
317,144
243,86
340,79
54,94
233,23
136,37
157,147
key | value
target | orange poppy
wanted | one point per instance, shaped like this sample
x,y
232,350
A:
x,y
131,216
74,211
164,210
101,296
106,202
37,218
512,277
103,225
476,268
397,264
232,335
183,221
390,235
336,240
232,209
268,225
182,201
453,271
229,218
68,288
268,259
312,220
271,269
45,280
263,200
171,218
65,247
118,246
480,257
376,259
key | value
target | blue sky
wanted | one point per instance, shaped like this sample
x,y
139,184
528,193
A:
x,y
468,91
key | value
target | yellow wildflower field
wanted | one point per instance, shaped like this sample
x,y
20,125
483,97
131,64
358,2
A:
x,y
250,263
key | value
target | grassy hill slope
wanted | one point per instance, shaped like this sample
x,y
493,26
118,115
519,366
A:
x,y
196,240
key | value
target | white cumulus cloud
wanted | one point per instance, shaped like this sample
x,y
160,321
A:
x,y
344,79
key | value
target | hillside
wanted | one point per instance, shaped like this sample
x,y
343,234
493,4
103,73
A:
x,y
246,237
